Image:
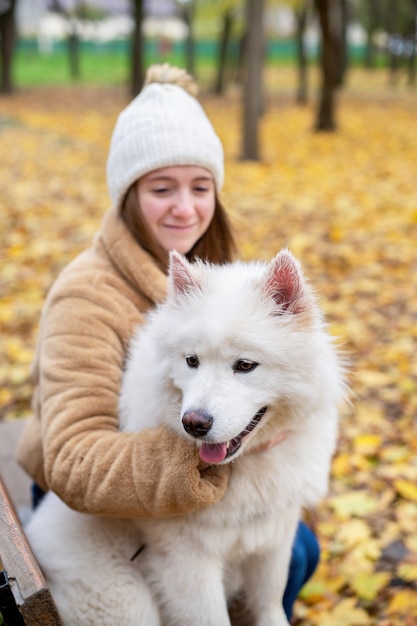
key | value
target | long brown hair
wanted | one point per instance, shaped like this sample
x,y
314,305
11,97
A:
x,y
217,245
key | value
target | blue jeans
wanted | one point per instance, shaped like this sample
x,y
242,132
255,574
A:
x,y
37,495
304,560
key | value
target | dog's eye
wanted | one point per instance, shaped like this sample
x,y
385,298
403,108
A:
x,y
243,365
192,360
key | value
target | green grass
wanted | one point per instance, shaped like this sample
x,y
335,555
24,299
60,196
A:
x,y
35,69
99,64
110,64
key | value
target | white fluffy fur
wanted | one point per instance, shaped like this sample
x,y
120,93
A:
x,y
265,313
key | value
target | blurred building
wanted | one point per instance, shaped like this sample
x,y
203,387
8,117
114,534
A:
x,y
36,21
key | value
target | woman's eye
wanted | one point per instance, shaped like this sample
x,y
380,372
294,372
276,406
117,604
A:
x,y
192,361
244,366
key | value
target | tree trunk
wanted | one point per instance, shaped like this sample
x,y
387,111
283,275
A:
x,y
189,42
330,64
369,55
301,14
74,50
137,72
7,34
73,40
227,20
242,52
412,66
187,14
252,102
412,58
393,31
371,27
341,22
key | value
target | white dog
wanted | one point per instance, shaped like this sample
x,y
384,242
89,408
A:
x,y
236,356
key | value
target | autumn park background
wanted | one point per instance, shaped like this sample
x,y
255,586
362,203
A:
x,y
343,200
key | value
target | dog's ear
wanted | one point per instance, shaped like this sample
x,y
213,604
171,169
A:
x,y
285,283
182,278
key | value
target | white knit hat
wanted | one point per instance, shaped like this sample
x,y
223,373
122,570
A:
x,y
163,126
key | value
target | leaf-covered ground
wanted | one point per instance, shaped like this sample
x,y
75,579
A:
x,y
346,204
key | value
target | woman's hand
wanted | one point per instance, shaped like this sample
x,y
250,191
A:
x,y
174,480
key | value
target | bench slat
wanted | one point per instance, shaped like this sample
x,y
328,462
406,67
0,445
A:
x,y
26,579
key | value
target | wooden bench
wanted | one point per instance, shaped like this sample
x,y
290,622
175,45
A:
x,y
24,596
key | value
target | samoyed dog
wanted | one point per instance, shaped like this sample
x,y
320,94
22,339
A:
x,y
236,357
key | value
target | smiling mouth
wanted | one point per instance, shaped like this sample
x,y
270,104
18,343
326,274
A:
x,y
218,452
180,226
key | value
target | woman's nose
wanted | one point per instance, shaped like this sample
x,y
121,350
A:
x,y
183,204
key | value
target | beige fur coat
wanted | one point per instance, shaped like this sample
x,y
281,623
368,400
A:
x,y
72,444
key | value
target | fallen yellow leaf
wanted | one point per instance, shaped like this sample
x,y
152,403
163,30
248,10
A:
x,y
354,503
345,613
406,489
368,585
403,602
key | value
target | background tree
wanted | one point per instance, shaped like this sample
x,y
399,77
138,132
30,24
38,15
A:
x,y
73,40
413,40
342,18
137,60
393,15
231,25
331,27
7,34
227,24
302,9
370,15
401,24
252,95
186,9
80,11
223,21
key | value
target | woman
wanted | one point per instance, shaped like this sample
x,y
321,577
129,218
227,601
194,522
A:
x,y
165,170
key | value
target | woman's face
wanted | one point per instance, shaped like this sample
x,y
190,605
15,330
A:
x,y
177,205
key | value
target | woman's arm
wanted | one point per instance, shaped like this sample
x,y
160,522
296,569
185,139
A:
x,y
90,464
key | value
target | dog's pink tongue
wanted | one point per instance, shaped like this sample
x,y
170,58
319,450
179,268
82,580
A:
x,y
213,452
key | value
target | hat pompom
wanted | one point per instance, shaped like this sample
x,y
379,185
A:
x,y
168,74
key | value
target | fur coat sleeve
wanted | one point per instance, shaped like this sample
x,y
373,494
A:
x,y
72,444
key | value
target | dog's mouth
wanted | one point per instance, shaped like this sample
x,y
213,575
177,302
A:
x,y
218,452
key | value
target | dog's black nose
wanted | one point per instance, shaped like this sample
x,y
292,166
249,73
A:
x,y
197,423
